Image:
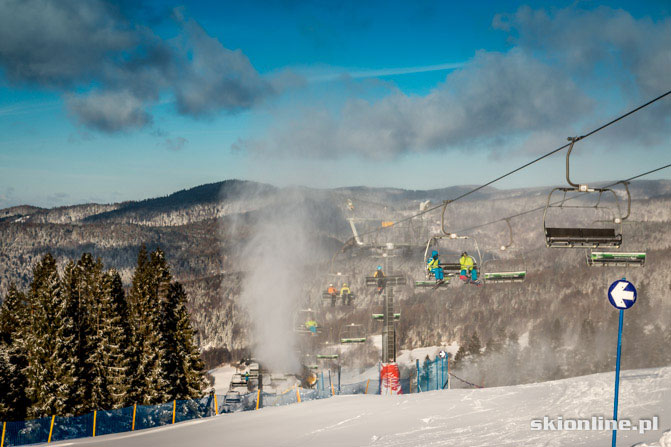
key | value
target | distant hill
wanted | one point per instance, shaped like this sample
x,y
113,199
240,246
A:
x,y
206,231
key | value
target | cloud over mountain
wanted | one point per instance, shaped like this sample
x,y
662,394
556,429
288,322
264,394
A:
x,y
112,67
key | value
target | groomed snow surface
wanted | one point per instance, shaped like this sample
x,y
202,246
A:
x,y
460,417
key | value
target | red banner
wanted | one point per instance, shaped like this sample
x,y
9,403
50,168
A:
x,y
390,379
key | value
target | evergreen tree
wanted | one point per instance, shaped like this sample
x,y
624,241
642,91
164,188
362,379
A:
x,y
115,336
148,291
183,367
473,346
82,284
51,341
13,400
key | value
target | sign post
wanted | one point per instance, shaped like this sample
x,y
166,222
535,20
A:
x,y
622,295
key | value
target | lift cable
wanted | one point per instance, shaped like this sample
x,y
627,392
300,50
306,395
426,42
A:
x,y
592,132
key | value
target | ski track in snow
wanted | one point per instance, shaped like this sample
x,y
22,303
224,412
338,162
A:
x,y
460,417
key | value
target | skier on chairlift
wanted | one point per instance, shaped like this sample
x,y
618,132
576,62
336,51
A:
x,y
311,326
468,272
433,266
379,274
346,295
333,292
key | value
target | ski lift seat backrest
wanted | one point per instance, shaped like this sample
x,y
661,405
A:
x,y
391,280
582,237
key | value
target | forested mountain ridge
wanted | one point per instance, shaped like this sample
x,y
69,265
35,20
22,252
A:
x,y
206,230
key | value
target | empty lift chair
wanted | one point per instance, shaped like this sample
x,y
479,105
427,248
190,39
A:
x,y
608,234
505,271
352,333
601,258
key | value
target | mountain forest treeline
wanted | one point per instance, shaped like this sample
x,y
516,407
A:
x,y
76,341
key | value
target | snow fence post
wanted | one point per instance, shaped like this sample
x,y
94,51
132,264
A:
x,y
298,395
435,364
51,429
258,398
174,407
4,429
449,382
95,414
367,383
216,407
134,410
419,388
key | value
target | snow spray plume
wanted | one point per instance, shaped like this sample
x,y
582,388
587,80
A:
x,y
276,259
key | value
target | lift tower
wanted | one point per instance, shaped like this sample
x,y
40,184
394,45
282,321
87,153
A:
x,y
388,317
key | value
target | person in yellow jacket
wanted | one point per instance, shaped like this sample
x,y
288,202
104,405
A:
x,y
346,295
311,325
468,270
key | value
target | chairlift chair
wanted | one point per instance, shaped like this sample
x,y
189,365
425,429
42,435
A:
x,y
493,272
237,381
380,317
301,318
449,268
352,333
574,236
615,259
340,279
232,397
600,258
310,361
328,352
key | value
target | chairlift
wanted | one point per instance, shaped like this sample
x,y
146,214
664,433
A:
x,y
232,397
380,317
608,234
310,361
600,258
339,280
447,241
615,259
503,270
388,279
328,352
352,333
305,323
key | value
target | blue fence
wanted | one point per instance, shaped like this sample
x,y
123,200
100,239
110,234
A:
x,y
432,374
138,417
435,375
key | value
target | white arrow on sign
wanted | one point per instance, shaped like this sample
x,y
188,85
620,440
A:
x,y
620,295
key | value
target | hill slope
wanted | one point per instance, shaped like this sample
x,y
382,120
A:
x,y
485,417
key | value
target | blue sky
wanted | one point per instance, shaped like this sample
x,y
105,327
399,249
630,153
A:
x,y
109,102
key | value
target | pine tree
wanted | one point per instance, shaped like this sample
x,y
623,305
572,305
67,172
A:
x,y
183,367
115,336
474,346
51,343
13,400
82,284
147,293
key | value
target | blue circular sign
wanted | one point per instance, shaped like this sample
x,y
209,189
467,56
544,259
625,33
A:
x,y
622,294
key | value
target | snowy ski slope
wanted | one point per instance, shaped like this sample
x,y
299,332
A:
x,y
481,417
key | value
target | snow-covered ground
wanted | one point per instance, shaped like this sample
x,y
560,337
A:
x,y
222,378
459,417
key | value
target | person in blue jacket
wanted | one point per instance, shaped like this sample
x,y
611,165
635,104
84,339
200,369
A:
x,y
433,266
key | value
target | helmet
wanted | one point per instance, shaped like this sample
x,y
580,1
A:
x,y
379,267
344,285
330,285
464,254
434,253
